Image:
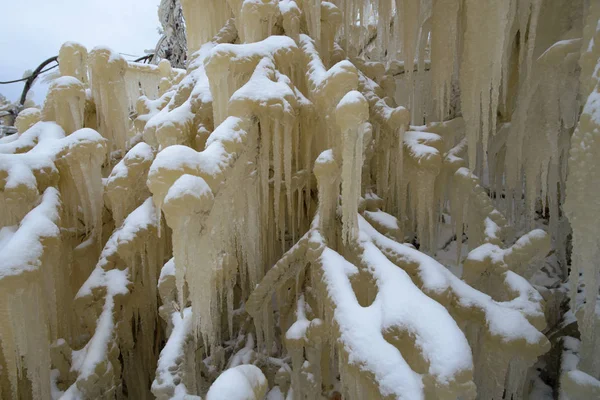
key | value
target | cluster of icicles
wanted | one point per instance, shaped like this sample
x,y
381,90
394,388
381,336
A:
x,y
268,222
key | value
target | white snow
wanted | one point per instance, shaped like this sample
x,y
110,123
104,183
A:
x,y
244,382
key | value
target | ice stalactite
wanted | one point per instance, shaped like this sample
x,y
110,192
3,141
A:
x,y
290,13
25,322
527,14
190,192
384,18
352,114
176,370
139,321
30,291
349,11
142,80
312,13
409,11
256,19
278,149
75,160
118,301
590,48
72,61
27,118
580,209
326,87
423,164
331,19
201,25
444,46
65,103
538,136
80,167
203,267
480,70
327,171
388,134
109,91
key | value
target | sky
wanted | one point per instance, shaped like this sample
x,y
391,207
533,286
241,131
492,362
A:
x,y
32,31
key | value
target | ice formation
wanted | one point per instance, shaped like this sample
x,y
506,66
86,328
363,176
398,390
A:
x,y
374,199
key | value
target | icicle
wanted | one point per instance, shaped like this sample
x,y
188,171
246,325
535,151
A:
x,y
67,103
72,61
256,19
582,184
400,179
481,73
107,71
288,139
312,13
141,80
384,12
24,334
201,26
264,163
352,114
328,173
409,10
185,205
277,172
444,37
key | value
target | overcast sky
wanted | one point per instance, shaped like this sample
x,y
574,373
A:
x,y
33,30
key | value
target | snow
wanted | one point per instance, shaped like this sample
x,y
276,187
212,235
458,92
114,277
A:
x,y
510,325
244,382
229,130
86,360
140,219
584,379
353,97
167,270
325,157
189,186
447,353
209,163
22,249
139,153
384,219
6,233
168,372
235,54
419,144
40,133
266,88
275,393
318,75
360,332
299,328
